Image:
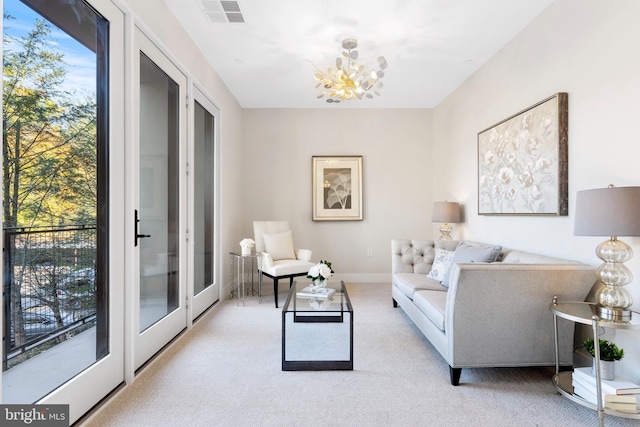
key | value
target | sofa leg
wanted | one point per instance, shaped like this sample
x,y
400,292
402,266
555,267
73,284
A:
x,y
395,304
455,375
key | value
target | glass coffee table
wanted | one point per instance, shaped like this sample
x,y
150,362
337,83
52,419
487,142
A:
x,y
317,328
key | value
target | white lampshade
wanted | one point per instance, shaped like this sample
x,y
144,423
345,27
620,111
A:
x,y
613,211
446,212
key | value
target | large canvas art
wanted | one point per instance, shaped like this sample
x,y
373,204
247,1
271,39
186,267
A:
x,y
522,162
337,188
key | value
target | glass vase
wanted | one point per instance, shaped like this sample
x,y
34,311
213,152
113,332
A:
x,y
320,283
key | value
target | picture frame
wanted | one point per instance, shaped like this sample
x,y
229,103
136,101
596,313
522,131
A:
x,y
336,188
523,162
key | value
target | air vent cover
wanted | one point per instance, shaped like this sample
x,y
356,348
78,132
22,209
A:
x,y
222,11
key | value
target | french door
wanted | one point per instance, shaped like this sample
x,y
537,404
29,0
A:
x,y
203,204
63,333
124,186
159,195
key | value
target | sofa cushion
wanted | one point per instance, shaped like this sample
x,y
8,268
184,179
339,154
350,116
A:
x,y
472,252
408,283
432,304
441,264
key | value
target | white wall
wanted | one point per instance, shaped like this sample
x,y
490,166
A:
x,y
396,146
588,48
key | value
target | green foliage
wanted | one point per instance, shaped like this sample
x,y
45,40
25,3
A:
x,y
49,135
328,264
608,350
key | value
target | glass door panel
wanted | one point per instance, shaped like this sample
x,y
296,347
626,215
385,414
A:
x,y
203,198
205,285
55,253
158,217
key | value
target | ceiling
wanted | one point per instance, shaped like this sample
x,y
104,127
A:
x,y
432,46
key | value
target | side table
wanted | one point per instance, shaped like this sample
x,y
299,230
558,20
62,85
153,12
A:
x,y
237,273
586,313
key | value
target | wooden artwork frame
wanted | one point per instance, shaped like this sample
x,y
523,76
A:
x,y
523,162
336,188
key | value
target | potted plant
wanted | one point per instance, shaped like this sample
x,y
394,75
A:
x,y
609,353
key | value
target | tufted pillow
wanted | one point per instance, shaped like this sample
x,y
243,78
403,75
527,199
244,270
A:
x,y
441,264
279,245
472,253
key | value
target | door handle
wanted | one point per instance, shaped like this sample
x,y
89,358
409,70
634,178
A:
x,y
136,234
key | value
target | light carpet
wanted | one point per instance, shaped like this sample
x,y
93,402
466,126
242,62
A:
x,y
226,371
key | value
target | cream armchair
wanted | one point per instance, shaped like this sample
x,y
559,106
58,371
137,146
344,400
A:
x,y
278,257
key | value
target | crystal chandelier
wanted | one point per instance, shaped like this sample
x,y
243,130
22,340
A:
x,y
349,80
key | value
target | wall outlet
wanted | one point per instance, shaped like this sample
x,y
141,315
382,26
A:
x,y
369,252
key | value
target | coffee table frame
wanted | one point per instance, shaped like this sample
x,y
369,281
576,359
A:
x,y
290,308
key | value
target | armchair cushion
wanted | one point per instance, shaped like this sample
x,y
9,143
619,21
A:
x,y
285,267
279,245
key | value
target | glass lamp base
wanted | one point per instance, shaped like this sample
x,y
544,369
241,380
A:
x,y
445,232
613,299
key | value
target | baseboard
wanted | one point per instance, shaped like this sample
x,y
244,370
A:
x,y
363,278
346,277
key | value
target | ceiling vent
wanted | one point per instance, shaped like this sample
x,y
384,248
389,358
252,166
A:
x,y
222,11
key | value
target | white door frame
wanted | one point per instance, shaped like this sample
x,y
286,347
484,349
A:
x,y
150,341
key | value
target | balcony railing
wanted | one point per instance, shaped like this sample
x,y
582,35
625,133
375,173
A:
x,y
49,287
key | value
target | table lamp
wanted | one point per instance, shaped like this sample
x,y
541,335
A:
x,y
445,212
613,212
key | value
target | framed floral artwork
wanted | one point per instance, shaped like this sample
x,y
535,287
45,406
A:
x,y
336,188
522,162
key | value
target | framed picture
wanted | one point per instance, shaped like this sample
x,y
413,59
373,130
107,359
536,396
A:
x,y
337,188
522,162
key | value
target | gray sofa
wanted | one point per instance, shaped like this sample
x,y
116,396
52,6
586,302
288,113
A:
x,y
493,314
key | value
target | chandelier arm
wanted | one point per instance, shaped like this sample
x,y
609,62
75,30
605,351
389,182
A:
x,y
351,80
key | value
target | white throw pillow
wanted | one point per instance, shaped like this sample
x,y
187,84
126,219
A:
x,y
279,245
441,264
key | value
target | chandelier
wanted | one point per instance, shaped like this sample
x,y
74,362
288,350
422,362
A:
x,y
349,80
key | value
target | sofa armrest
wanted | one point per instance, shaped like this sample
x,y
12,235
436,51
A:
x,y
303,254
498,314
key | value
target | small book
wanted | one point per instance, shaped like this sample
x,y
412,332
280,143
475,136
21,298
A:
x,y
629,408
628,391
628,399
585,393
318,293
617,386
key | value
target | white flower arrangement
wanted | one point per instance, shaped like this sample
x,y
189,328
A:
x,y
321,270
247,243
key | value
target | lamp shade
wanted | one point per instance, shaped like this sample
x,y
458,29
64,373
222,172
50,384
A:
x,y
446,212
613,211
